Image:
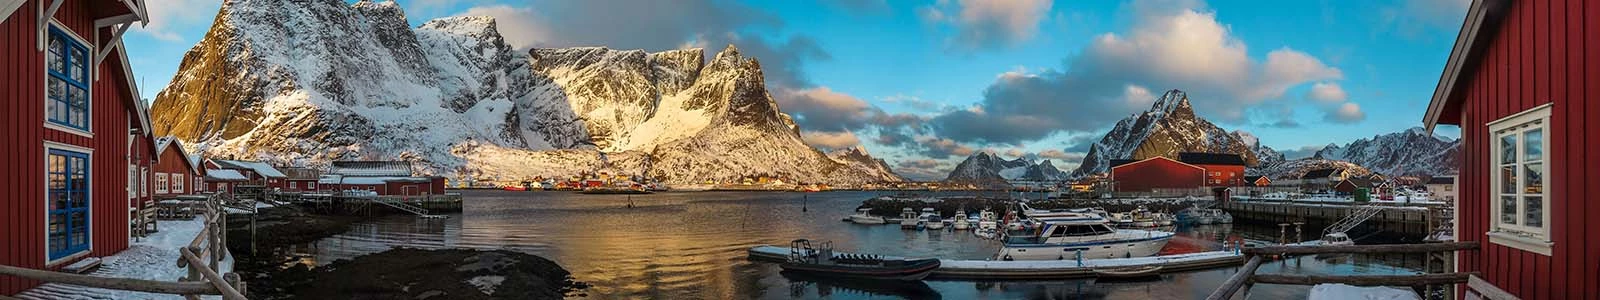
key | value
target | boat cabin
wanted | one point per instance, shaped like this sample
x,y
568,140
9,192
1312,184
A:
x,y
1066,232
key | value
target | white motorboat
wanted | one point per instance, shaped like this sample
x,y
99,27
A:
x,y
922,219
1163,219
1336,239
1221,217
934,222
988,225
1083,239
864,216
961,222
908,218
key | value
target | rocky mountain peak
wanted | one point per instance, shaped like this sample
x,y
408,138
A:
x,y
1169,127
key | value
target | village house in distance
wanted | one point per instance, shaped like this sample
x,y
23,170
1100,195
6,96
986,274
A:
x,y
1520,82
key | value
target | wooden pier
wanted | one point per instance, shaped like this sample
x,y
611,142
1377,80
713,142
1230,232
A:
x,y
339,203
1401,218
1047,269
1246,277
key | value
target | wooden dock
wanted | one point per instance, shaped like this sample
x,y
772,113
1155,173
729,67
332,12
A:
x,y
366,204
1402,218
1046,269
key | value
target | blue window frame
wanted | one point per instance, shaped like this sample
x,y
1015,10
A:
x,y
67,85
68,194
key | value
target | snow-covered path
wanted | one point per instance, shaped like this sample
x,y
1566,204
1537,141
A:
x,y
152,258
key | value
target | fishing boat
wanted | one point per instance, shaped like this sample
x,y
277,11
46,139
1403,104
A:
x,y
1087,238
1221,217
804,258
922,218
988,225
864,216
908,218
1337,239
961,222
515,188
934,222
1163,219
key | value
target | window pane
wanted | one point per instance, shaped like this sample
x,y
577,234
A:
x,y
1533,178
54,61
55,44
79,199
1508,210
58,182
1508,149
56,88
58,200
1533,145
1508,180
1534,216
78,58
79,165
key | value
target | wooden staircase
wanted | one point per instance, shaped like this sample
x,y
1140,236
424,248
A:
x,y
1360,215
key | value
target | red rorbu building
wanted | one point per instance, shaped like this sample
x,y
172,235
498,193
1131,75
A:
x,y
386,178
256,173
1521,83
222,180
1155,173
75,129
1222,169
174,173
301,179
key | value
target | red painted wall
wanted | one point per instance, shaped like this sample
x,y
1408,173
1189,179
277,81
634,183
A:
x,y
173,162
1150,174
1224,175
300,185
1542,52
22,204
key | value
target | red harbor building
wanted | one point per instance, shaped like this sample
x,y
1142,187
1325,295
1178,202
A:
x,y
76,135
386,178
1521,83
1222,169
1155,173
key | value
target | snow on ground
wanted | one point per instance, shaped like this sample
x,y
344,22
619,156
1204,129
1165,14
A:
x,y
1348,292
151,258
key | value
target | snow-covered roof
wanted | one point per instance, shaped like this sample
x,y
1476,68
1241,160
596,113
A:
x,y
224,175
262,168
301,173
368,180
371,168
162,143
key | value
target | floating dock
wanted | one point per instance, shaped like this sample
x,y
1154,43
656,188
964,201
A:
x,y
1046,269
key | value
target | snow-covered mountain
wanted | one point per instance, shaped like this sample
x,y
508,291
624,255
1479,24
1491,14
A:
x,y
1409,152
857,158
1169,127
987,168
322,80
1293,169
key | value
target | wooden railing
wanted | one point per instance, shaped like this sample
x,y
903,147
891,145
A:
x,y
202,257
1247,275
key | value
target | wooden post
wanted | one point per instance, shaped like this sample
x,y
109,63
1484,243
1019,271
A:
x,y
1366,280
126,284
1236,281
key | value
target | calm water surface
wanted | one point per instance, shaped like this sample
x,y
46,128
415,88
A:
x,y
692,246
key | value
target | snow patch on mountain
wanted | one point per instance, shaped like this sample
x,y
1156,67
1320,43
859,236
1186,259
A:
x,y
1169,127
1409,152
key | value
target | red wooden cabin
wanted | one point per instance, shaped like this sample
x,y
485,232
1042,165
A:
x,y
174,173
1156,173
75,129
1521,82
1222,169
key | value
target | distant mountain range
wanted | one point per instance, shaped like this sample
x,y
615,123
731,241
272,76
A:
x,y
325,80
987,168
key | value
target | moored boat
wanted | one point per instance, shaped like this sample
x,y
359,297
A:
x,y
804,258
514,188
908,218
934,222
864,216
1083,239
961,222
1128,273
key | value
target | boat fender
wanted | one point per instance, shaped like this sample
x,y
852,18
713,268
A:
x,y
1007,257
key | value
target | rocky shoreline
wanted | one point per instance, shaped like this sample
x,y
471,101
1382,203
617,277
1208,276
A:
x,y
273,272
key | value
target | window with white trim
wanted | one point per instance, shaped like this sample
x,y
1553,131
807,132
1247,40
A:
x,y
144,181
199,184
67,81
161,183
133,181
177,183
1519,190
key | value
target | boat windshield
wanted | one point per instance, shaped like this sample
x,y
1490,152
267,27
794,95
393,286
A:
x,y
1080,230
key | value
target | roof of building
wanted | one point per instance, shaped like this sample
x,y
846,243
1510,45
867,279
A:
x,y
1442,180
1255,178
1160,158
1119,162
262,168
371,168
1202,158
1358,182
302,173
1477,30
162,143
1320,173
369,180
224,175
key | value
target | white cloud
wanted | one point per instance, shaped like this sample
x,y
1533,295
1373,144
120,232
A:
x,y
1137,97
166,16
830,140
981,24
1350,112
1061,155
1328,93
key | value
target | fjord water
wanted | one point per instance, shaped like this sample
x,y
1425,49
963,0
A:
x,y
692,246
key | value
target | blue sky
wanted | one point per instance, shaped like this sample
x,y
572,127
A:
x,y
924,83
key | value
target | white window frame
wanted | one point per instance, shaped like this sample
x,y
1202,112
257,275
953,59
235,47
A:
x,y
161,183
199,185
90,48
177,183
133,179
144,181
1518,235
